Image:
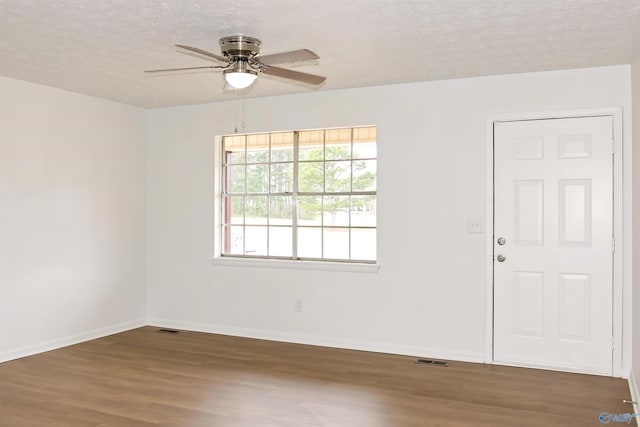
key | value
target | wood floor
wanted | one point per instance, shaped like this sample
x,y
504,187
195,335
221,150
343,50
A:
x,y
149,378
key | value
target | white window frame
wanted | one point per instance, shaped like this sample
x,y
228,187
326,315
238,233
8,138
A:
x,y
267,262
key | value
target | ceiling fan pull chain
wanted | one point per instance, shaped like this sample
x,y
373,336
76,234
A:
x,y
243,126
236,114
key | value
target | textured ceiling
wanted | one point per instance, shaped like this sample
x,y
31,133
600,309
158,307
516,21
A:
x,y
101,47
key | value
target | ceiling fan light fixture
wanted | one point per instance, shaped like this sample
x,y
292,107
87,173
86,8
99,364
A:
x,y
240,79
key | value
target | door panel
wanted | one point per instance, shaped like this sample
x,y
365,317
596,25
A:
x,y
528,218
528,312
553,205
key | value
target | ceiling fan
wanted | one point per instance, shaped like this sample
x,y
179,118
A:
x,y
242,62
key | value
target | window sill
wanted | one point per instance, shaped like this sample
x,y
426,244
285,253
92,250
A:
x,y
295,265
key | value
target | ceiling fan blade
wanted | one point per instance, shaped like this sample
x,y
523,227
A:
x,y
294,75
204,52
286,57
182,69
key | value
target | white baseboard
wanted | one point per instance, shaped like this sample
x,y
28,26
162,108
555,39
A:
x,y
635,395
436,353
549,367
29,350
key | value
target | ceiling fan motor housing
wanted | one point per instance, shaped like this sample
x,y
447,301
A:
x,y
240,47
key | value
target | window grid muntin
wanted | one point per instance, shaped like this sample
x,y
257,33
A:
x,y
295,194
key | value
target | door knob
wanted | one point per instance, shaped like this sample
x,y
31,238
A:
x,y
502,241
501,258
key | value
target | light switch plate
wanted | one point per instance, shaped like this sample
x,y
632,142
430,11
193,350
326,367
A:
x,y
475,225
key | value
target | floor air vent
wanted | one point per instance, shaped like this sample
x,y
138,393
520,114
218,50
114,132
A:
x,y
168,331
432,362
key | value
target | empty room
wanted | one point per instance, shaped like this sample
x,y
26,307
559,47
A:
x,y
319,213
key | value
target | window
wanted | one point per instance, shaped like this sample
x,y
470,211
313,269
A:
x,y
301,195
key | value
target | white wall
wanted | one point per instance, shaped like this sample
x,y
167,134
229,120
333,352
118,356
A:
x,y
429,296
72,217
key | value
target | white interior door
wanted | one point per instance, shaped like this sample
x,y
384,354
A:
x,y
553,243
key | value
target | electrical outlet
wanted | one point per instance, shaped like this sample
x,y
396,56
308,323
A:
x,y
298,305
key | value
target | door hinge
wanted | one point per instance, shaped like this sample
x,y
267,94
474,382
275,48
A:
x,y
612,343
613,244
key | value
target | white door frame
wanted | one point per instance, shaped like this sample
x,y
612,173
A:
x,y
616,113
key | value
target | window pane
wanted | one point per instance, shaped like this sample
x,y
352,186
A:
x,y
233,240
279,139
338,152
282,147
311,145
336,210
338,137
234,149
282,155
255,240
282,178
235,179
236,157
258,155
364,150
311,177
309,242
281,210
364,134
364,175
234,209
280,243
337,176
336,243
363,211
258,148
258,179
310,210
363,244
256,210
